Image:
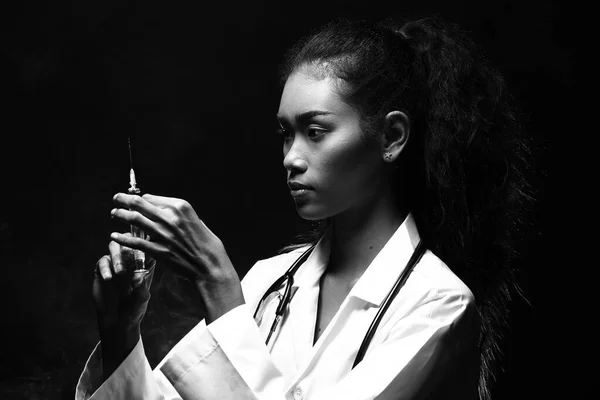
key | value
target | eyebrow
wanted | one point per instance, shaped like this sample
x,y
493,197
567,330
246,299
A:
x,y
306,116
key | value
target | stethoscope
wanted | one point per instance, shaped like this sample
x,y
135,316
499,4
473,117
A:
x,y
288,279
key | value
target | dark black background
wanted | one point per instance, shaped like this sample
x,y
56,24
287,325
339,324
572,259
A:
x,y
194,86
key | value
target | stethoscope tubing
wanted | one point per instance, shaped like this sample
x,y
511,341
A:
x,y
289,276
414,259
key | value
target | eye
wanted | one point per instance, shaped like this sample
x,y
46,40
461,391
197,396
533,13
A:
x,y
285,134
315,133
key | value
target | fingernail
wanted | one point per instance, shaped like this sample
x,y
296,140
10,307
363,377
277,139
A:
x,y
114,235
115,196
113,211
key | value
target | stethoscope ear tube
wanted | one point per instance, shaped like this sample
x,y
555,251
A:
x,y
414,259
288,278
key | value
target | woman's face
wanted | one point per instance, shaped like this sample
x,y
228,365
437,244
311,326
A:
x,y
332,167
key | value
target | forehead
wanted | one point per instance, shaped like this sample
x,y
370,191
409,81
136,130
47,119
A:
x,y
306,90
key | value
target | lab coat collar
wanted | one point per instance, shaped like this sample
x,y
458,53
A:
x,y
382,273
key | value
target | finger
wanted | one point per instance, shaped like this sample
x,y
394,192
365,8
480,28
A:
x,y
116,258
161,201
138,279
139,204
144,276
103,268
137,219
139,244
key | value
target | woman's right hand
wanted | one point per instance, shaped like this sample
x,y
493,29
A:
x,y
121,299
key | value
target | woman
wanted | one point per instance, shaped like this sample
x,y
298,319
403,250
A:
x,y
402,143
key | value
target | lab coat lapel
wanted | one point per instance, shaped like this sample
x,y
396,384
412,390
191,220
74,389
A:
x,y
304,307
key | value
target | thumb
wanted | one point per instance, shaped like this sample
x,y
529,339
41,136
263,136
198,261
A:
x,y
136,302
144,277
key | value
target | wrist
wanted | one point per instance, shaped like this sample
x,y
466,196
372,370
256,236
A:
x,y
115,327
118,342
219,295
116,345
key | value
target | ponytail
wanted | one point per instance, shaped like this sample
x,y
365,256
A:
x,y
475,192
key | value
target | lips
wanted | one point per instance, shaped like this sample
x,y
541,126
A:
x,y
299,190
298,186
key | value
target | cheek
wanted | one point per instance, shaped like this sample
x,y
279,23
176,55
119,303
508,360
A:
x,y
351,169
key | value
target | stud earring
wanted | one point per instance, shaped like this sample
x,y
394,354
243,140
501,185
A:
x,y
387,156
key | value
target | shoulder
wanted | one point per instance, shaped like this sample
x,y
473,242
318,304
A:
x,y
434,289
434,293
438,279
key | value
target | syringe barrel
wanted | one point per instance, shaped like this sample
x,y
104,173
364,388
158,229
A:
x,y
138,255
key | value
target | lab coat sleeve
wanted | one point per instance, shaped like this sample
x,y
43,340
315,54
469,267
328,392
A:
x,y
196,367
236,366
132,380
228,360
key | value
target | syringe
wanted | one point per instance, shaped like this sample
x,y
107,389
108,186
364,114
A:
x,y
138,255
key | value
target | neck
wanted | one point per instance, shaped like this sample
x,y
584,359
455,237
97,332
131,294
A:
x,y
359,234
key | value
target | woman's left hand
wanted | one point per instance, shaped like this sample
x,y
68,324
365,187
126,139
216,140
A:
x,y
180,239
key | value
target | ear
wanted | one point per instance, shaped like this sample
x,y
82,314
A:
x,y
396,131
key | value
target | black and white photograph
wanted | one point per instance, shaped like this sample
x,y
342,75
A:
x,y
282,200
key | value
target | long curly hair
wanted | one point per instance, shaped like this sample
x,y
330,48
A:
x,y
466,161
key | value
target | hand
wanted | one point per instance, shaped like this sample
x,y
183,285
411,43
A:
x,y
120,295
121,298
184,243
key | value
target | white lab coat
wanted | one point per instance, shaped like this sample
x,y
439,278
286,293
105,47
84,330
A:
x,y
425,346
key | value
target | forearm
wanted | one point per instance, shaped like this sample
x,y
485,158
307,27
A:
x,y
116,345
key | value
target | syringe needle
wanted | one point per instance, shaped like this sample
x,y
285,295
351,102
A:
x,y
130,158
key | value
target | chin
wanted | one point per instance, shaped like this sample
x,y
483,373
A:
x,y
311,212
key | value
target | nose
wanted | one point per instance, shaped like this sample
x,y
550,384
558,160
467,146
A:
x,y
294,160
